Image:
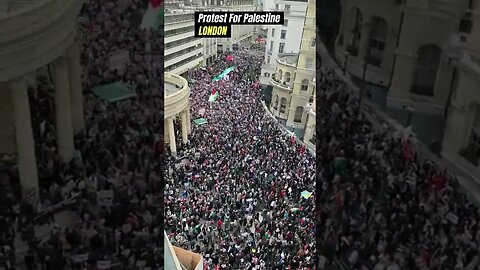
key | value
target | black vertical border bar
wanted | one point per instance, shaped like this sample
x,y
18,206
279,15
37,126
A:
x,y
327,26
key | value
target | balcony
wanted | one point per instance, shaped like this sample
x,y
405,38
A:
x,y
289,59
470,61
281,85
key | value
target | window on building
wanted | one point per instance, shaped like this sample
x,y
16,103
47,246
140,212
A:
x,y
273,32
356,32
271,45
275,105
474,141
280,74
268,60
285,22
283,104
465,25
304,86
287,9
298,114
378,38
288,77
266,74
313,43
281,48
276,6
283,34
309,63
426,67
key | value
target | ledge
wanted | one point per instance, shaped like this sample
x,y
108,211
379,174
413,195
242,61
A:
x,y
177,101
36,35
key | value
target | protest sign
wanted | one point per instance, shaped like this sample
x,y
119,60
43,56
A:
x,y
105,197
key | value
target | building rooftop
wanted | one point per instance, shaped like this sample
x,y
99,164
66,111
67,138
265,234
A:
x,y
171,88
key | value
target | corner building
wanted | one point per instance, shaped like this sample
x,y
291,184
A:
x,y
294,79
35,35
407,45
283,38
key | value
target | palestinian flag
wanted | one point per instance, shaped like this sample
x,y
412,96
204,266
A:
x,y
157,6
213,95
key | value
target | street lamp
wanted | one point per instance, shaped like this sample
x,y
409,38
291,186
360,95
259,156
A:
x,y
345,61
411,110
365,64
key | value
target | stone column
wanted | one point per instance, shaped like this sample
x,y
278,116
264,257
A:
x,y
290,115
165,131
65,142
27,165
75,82
184,126
171,136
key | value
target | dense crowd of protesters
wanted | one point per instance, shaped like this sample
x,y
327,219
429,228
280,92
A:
x,y
114,179
380,205
234,190
233,193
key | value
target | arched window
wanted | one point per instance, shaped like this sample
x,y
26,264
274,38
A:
x,y
287,77
304,85
378,40
280,74
426,67
356,30
283,104
275,105
298,114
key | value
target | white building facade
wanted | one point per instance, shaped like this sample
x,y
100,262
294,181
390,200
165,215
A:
x,y
182,50
284,38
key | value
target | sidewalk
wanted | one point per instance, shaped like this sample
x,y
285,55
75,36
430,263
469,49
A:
x,y
468,182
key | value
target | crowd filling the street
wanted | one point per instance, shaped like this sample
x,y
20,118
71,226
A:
x,y
234,191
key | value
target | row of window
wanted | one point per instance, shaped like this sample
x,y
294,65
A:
x,y
179,42
281,47
183,62
283,33
182,52
179,31
283,105
179,18
428,56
